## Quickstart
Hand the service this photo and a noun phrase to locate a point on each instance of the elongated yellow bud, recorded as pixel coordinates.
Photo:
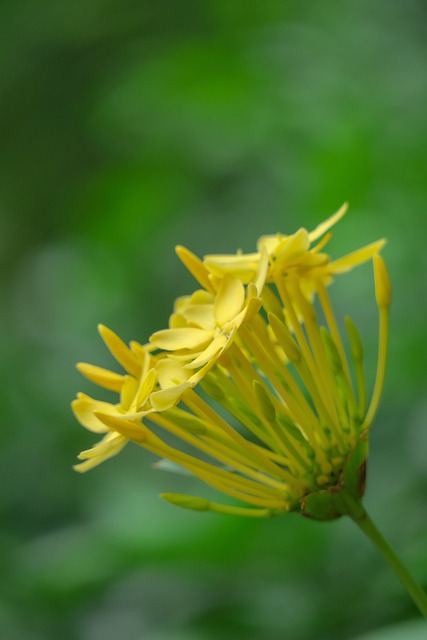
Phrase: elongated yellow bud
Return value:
(213, 388)
(186, 421)
(356, 343)
(356, 346)
(271, 303)
(201, 504)
(186, 502)
(331, 351)
(382, 282)
(131, 430)
(102, 377)
(265, 402)
(291, 428)
(285, 338)
(383, 296)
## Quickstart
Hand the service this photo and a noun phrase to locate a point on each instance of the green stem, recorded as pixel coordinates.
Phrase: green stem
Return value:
(364, 522)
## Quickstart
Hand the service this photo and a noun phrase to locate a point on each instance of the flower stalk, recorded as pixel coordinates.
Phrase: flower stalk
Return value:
(361, 518)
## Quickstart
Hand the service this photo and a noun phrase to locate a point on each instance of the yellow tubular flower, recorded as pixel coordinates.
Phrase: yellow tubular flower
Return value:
(201, 332)
(292, 254)
(134, 389)
(253, 378)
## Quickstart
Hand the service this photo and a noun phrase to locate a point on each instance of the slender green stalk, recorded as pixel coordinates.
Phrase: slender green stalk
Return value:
(364, 522)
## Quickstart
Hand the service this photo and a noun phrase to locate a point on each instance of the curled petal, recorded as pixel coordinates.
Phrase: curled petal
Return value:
(230, 299)
(184, 338)
(262, 270)
(209, 353)
(108, 447)
(169, 372)
(129, 390)
(240, 266)
(323, 227)
(355, 258)
(270, 243)
(293, 247)
(84, 407)
(168, 398)
(200, 315)
(146, 387)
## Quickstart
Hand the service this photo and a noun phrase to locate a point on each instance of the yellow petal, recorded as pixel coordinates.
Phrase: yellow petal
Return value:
(270, 243)
(198, 297)
(356, 257)
(184, 338)
(200, 373)
(201, 297)
(252, 308)
(229, 260)
(83, 408)
(181, 303)
(146, 387)
(201, 315)
(242, 267)
(128, 392)
(101, 377)
(141, 352)
(312, 260)
(195, 267)
(101, 447)
(292, 247)
(108, 447)
(262, 270)
(322, 242)
(170, 372)
(209, 353)
(168, 398)
(229, 300)
(323, 227)
(120, 350)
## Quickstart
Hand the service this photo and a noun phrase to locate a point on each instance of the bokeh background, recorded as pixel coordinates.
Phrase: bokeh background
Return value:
(128, 127)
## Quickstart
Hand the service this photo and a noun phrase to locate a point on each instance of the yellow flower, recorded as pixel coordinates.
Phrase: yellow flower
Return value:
(291, 254)
(134, 388)
(204, 325)
(286, 424)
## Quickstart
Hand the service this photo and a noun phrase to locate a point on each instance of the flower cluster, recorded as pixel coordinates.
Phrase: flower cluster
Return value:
(249, 388)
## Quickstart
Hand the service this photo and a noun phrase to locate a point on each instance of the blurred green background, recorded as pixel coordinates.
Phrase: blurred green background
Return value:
(126, 128)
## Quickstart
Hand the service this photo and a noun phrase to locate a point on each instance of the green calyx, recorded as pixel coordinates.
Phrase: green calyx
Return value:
(345, 497)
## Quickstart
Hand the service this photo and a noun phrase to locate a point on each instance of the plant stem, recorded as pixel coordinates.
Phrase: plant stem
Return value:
(364, 522)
